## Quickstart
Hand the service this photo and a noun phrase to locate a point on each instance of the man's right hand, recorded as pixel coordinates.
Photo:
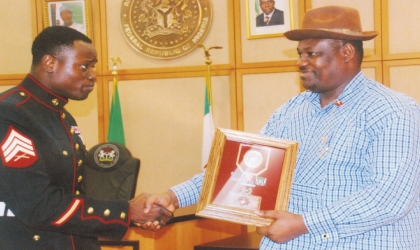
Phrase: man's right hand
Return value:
(154, 216)
(167, 200)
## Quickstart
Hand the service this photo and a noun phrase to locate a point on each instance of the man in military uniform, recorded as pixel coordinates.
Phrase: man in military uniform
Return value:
(42, 153)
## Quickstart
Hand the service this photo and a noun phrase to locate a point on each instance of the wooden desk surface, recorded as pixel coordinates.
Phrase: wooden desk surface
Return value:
(249, 241)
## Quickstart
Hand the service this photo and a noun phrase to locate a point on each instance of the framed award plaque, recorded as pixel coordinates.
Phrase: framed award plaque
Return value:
(246, 172)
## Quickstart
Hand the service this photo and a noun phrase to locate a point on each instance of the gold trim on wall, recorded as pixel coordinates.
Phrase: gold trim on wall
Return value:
(239, 83)
(377, 65)
(378, 40)
(386, 37)
(388, 64)
(107, 82)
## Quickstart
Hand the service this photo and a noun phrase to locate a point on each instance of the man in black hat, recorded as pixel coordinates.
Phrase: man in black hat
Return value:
(356, 183)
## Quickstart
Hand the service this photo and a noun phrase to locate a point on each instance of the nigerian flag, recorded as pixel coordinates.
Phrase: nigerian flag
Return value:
(208, 126)
(257, 7)
(115, 126)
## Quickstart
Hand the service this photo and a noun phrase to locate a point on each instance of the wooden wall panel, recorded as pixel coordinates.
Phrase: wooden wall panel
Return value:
(404, 76)
(86, 115)
(163, 126)
(263, 93)
(16, 37)
(400, 29)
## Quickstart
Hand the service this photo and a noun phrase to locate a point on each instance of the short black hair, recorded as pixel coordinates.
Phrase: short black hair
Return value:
(54, 39)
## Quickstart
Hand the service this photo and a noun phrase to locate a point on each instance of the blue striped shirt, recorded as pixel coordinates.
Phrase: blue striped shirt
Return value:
(364, 191)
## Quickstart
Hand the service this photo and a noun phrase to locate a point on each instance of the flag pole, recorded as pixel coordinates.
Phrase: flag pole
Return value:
(208, 62)
(115, 61)
(115, 124)
(208, 126)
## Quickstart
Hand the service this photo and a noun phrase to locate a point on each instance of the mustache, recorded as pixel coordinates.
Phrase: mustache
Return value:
(303, 69)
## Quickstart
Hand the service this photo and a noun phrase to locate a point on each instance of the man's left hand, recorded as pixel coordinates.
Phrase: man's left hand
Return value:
(285, 227)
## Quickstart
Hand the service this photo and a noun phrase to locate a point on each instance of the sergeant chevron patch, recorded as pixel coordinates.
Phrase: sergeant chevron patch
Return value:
(17, 150)
(4, 212)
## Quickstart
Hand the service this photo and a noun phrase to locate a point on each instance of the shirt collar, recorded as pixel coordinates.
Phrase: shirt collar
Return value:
(270, 15)
(350, 92)
(39, 92)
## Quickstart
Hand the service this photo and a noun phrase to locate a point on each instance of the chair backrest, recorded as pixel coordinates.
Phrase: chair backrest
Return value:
(110, 172)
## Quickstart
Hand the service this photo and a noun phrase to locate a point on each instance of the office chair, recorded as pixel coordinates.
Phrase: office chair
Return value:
(111, 173)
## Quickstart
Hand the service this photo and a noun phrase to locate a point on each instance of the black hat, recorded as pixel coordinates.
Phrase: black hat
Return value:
(111, 172)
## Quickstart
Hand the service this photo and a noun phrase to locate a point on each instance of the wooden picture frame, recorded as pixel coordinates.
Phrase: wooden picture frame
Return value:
(76, 12)
(255, 16)
(246, 172)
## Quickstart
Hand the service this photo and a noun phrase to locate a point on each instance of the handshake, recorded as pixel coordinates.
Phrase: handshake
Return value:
(103, 173)
(151, 212)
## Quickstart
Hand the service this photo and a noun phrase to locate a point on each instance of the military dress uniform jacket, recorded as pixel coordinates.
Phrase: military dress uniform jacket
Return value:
(42, 154)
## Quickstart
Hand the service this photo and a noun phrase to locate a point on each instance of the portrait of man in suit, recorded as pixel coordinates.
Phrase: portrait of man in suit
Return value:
(270, 16)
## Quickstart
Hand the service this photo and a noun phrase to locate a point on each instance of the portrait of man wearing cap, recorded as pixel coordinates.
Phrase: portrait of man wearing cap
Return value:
(66, 15)
(356, 182)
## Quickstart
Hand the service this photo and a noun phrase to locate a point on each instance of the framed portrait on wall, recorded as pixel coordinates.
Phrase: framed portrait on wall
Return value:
(246, 172)
(269, 18)
(75, 14)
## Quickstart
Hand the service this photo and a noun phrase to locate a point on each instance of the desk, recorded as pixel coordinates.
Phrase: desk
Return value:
(249, 241)
(133, 243)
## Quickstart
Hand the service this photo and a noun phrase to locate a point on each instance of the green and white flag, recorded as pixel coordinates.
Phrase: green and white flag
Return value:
(115, 126)
(257, 7)
(208, 126)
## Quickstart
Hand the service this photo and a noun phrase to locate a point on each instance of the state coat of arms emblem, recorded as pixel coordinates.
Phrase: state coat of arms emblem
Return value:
(165, 29)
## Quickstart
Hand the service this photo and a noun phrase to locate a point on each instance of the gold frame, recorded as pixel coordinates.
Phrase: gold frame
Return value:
(281, 181)
(86, 13)
(254, 32)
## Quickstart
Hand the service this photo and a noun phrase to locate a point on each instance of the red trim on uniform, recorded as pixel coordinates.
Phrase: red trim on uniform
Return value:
(38, 100)
(72, 242)
(28, 96)
(74, 168)
(80, 203)
(6, 95)
(102, 220)
(71, 210)
(73, 188)
(47, 90)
